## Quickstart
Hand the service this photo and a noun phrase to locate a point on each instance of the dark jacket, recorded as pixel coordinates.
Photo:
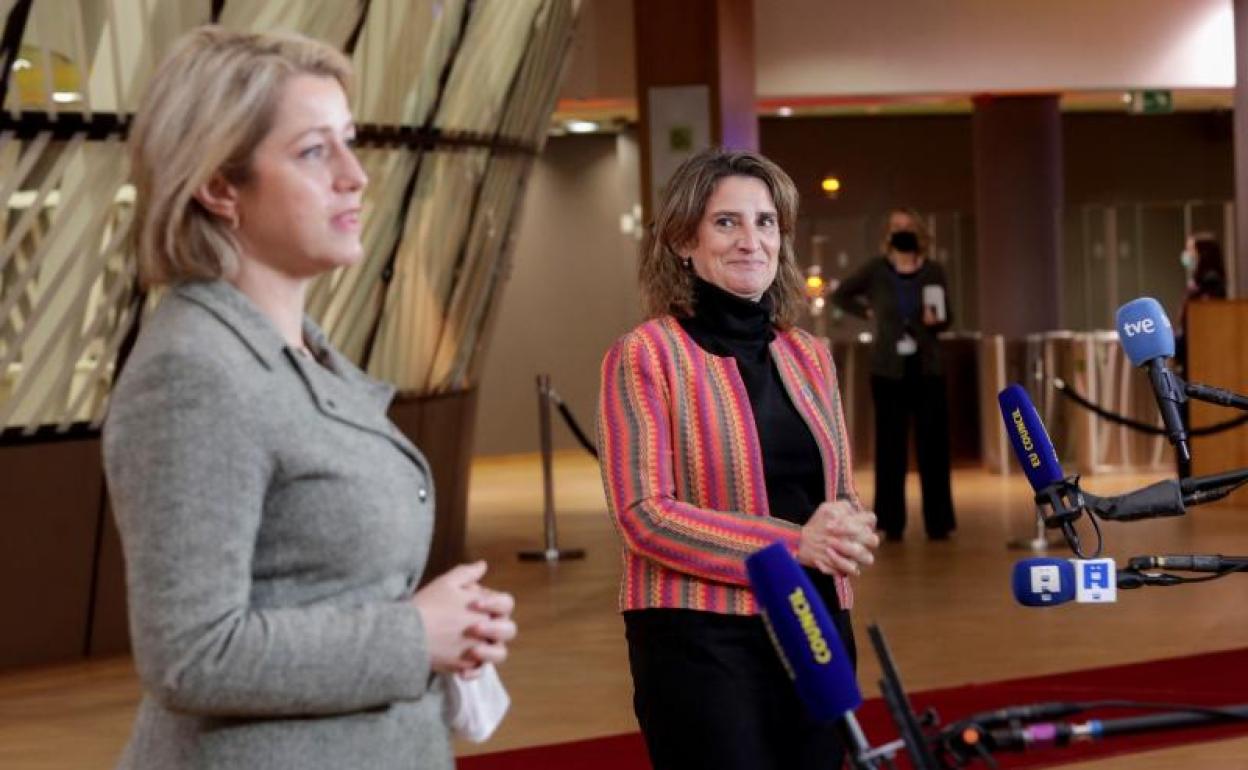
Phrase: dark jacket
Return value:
(878, 287)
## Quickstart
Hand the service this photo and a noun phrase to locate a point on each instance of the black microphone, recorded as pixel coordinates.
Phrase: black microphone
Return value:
(1190, 562)
(1214, 395)
(1048, 734)
(1148, 340)
(1215, 486)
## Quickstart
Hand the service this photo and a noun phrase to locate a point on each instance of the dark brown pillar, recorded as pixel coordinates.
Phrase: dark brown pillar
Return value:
(695, 82)
(1018, 202)
(1239, 257)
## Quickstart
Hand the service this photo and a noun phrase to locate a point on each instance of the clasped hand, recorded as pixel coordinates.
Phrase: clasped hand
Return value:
(466, 624)
(838, 539)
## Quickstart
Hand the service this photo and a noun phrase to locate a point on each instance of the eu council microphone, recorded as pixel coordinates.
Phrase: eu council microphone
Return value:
(802, 631)
(1038, 458)
(1030, 440)
(1146, 336)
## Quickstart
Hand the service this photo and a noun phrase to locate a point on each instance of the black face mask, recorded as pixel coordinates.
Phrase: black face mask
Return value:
(905, 241)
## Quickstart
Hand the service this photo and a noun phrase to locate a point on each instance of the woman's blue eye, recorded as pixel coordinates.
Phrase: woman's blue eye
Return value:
(315, 151)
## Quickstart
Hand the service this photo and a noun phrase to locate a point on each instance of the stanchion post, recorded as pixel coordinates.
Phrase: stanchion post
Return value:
(1038, 544)
(551, 552)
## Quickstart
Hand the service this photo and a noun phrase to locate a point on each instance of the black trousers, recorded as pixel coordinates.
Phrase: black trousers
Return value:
(710, 692)
(920, 400)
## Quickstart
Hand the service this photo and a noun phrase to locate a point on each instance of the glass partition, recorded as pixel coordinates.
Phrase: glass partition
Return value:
(1111, 254)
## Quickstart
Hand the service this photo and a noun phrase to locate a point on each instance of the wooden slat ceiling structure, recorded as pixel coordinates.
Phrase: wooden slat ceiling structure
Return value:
(453, 99)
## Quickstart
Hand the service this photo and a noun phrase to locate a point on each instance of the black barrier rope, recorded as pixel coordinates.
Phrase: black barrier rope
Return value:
(573, 425)
(1208, 430)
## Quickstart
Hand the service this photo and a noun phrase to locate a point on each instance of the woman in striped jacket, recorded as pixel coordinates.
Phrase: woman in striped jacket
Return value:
(721, 432)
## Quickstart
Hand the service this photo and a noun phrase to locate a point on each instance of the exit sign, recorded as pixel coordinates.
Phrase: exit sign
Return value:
(1152, 102)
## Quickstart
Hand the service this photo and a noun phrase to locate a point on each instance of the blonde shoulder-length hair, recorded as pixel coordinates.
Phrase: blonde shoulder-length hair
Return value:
(921, 231)
(666, 283)
(207, 107)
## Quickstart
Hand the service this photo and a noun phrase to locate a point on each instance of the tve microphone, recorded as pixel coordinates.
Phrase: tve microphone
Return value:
(801, 630)
(1148, 340)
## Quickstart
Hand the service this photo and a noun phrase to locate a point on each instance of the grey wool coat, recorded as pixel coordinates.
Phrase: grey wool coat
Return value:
(274, 524)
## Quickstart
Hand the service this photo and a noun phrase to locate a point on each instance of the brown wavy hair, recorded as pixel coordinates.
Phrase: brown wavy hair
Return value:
(666, 284)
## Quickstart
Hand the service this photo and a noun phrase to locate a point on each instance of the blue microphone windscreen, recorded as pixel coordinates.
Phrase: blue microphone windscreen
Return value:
(803, 634)
(1030, 440)
(1144, 331)
(1044, 582)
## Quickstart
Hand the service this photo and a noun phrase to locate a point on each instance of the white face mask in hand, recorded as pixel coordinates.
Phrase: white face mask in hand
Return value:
(475, 707)
(1188, 260)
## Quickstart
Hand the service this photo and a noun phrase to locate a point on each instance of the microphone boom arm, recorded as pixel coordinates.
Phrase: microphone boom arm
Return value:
(1212, 395)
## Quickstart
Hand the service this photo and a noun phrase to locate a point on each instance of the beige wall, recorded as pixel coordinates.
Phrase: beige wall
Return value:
(814, 47)
(883, 47)
(571, 293)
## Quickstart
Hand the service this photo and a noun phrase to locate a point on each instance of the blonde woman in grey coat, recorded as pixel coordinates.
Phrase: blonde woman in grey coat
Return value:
(275, 523)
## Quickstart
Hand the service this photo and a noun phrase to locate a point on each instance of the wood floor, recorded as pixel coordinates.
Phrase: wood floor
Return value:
(946, 609)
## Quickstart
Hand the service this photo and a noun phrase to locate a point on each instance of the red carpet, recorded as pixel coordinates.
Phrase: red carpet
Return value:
(1218, 678)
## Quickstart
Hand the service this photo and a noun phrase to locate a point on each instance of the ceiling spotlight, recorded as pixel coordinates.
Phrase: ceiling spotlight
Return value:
(784, 112)
(581, 126)
(21, 64)
(830, 185)
(66, 97)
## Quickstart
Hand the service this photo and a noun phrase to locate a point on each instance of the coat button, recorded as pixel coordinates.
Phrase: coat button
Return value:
(329, 404)
(422, 494)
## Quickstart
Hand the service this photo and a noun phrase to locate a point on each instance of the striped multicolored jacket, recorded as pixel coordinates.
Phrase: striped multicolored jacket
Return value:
(683, 468)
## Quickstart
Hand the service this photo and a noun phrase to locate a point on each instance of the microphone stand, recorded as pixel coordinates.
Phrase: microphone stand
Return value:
(961, 742)
(1017, 738)
(908, 724)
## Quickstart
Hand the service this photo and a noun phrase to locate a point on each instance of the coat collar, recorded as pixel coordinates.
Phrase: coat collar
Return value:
(257, 332)
(237, 312)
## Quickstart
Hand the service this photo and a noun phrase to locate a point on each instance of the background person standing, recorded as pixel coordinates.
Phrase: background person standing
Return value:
(906, 296)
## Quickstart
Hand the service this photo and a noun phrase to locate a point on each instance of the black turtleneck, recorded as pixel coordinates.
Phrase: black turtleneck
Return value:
(726, 325)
